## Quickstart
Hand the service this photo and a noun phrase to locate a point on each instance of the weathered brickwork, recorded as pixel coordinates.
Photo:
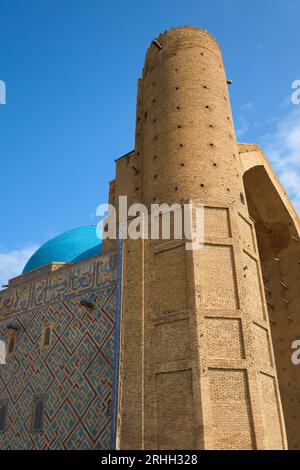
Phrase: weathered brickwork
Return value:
(74, 373)
(205, 335)
(277, 230)
(201, 359)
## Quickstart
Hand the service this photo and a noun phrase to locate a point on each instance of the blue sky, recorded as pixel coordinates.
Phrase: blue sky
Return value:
(71, 69)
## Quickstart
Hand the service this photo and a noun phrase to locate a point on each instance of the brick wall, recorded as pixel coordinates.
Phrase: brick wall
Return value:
(74, 374)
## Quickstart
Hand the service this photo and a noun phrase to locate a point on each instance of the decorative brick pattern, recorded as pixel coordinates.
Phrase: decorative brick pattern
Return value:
(262, 342)
(253, 297)
(174, 413)
(173, 341)
(231, 413)
(59, 284)
(196, 361)
(224, 338)
(246, 233)
(171, 287)
(216, 222)
(74, 374)
(217, 277)
(186, 151)
(271, 418)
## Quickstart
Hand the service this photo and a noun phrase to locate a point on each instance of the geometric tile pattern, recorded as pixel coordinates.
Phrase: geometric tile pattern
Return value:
(74, 374)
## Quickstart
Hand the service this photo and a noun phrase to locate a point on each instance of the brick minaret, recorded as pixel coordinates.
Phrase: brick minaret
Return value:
(197, 364)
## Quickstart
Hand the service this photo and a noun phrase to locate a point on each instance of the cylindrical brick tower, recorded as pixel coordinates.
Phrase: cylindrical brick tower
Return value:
(185, 123)
(197, 363)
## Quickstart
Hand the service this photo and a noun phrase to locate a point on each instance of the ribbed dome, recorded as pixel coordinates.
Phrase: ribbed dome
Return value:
(69, 247)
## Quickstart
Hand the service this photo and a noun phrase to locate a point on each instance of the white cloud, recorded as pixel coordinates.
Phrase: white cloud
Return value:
(249, 106)
(13, 262)
(244, 120)
(242, 128)
(282, 148)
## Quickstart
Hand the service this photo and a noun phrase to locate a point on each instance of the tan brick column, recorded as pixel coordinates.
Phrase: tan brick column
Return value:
(191, 376)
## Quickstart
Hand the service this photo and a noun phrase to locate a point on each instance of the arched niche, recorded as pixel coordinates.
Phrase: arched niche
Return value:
(278, 237)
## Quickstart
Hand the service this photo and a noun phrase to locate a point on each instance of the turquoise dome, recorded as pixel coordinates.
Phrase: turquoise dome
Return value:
(69, 247)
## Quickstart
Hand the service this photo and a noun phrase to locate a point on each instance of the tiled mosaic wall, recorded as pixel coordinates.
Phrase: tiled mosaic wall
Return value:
(75, 373)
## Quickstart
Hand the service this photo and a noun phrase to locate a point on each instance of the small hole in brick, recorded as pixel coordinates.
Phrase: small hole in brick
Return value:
(211, 126)
(211, 144)
(145, 115)
(154, 199)
(215, 164)
(138, 153)
(177, 107)
(202, 185)
(176, 70)
(202, 53)
(177, 88)
(155, 137)
(153, 83)
(153, 101)
(207, 107)
(176, 188)
(182, 164)
(139, 119)
(155, 176)
(154, 157)
(179, 126)
(204, 86)
(137, 189)
(180, 145)
(228, 189)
